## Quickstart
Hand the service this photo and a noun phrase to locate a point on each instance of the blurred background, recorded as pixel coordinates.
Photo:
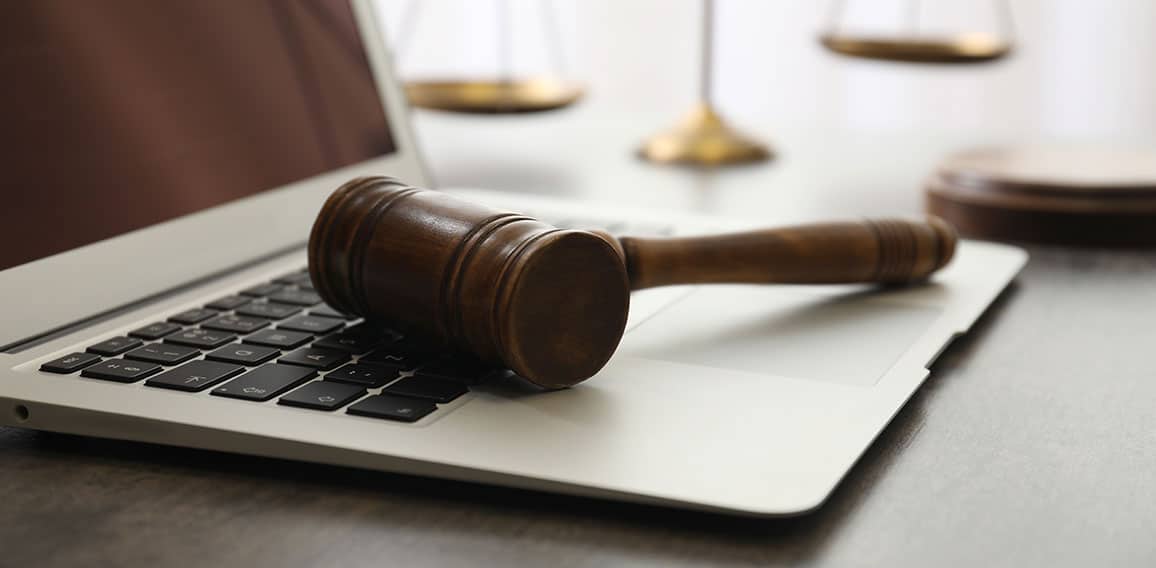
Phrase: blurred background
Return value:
(1080, 69)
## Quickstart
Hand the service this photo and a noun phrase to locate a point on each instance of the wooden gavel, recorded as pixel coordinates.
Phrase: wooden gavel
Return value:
(550, 304)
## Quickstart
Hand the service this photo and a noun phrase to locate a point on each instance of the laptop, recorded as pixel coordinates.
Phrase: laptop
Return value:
(163, 165)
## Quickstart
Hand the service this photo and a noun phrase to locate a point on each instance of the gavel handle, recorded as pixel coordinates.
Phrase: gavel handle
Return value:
(884, 250)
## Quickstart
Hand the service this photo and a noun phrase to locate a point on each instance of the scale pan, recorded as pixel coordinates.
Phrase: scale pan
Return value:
(493, 96)
(959, 49)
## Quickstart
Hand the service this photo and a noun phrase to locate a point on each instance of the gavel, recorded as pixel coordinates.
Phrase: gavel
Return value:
(550, 304)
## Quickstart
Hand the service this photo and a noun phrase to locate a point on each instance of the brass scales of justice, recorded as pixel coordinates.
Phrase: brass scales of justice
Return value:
(703, 137)
(502, 94)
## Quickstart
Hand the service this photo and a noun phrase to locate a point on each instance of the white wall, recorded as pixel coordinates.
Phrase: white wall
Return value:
(1082, 68)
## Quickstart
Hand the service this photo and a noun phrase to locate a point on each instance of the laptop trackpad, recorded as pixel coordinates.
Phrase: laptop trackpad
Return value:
(852, 338)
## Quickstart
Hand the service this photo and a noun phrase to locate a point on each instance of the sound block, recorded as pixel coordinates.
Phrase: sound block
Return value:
(1089, 196)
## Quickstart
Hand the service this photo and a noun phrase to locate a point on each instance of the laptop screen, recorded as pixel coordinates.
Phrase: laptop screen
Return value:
(120, 114)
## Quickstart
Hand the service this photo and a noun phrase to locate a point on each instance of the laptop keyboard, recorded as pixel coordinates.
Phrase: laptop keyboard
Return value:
(278, 341)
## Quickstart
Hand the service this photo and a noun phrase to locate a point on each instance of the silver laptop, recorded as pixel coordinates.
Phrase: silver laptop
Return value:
(162, 170)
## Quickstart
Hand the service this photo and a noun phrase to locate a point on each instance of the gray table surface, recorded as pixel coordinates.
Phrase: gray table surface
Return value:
(1032, 444)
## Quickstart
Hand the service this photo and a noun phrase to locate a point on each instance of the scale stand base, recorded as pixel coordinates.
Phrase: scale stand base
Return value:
(703, 139)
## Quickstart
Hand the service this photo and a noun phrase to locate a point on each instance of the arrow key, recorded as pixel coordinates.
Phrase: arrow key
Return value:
(323, 395)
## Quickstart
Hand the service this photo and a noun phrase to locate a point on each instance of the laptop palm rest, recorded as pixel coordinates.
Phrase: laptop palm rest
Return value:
(786, 331)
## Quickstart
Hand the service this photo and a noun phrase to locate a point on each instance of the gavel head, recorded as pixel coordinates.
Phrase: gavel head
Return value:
(547, 303)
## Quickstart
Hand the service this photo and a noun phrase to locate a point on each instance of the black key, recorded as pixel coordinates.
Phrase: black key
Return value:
(155, 331)
(279, 338)
(195, 315)
(201, 338)
(162, 353)
(296, 297)
(355, 340)
(437, 390)
(121, 370)
(312, 324)
(269, 310)
(195, 376)
(300, 278)
(322, 395)
(70, 363)
(400, 356)
(323, 359)
(370, 376)
(228, 303)
(462, 371)
(265, 382)
(114, 346)
(243, 354)
(384, 333)
(393, 408)
(235, 324)
(262, 290)
(325, 311)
